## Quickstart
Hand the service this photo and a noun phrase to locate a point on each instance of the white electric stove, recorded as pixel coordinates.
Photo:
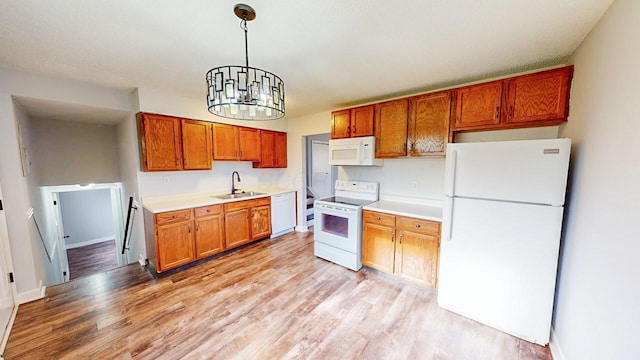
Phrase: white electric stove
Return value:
(337, 230)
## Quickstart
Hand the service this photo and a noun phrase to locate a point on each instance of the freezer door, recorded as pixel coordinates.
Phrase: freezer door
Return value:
(532, 171)
(499, 265)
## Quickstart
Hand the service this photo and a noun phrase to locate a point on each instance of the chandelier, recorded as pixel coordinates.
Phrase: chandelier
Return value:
(243, 92)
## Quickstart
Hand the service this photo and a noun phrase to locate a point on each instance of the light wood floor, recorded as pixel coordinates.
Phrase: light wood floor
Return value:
(268, 300)
(91, 259)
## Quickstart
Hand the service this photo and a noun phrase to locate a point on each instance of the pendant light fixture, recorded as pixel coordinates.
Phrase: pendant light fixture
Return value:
(243, 92)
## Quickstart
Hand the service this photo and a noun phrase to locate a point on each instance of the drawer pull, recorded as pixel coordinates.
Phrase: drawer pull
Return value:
(418, 226)
(208, 210)
(377, 217)
(173, 217)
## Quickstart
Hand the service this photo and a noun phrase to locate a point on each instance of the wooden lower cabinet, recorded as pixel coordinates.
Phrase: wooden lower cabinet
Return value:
(237, 228)
(404, 246)
(176, 238)
(174, 242)
(260, 222)
(209, 225)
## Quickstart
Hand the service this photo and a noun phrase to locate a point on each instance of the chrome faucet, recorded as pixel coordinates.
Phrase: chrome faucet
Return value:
(233, 183)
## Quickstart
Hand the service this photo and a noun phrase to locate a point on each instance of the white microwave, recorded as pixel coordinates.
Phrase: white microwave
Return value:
(358, 151)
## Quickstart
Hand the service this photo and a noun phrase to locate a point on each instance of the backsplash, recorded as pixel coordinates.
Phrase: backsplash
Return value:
(416, 178)
(217, 180)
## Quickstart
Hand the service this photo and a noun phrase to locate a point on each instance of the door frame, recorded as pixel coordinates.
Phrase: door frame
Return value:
(55, 211)
(5, 253)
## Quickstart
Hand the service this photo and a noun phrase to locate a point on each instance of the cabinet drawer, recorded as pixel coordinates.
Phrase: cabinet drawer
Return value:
(379, 218)
(208, 210)
(419, 225)
(173, 216)
(237, 205)
(261, 201)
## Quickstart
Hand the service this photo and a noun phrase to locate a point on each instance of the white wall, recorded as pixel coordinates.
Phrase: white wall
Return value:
(86, 215)
(597, 312)
(15, 190)
(67, 152)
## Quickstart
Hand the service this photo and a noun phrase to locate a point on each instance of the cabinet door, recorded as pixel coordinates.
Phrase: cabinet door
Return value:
(378, 244)
(175, 245)
(249, 144)
(417, 257)
(196, 144)
(237, 228)
(478, 106)
(362, 121)
(391, 128)
(209, 235)
(280, 150)
(429, 124)
(160, 142)
(341, 124)
(225, 142)
(267, 150)
(538, 97)
(260, 222)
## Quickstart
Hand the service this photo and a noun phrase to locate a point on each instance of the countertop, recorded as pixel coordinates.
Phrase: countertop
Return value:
(425, 212)
(158, 204)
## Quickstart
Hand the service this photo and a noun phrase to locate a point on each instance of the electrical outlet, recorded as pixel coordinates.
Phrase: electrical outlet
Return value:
(166, 180)
(414, 185)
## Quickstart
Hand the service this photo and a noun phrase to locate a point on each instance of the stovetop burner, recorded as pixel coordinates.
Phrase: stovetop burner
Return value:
(347, 201)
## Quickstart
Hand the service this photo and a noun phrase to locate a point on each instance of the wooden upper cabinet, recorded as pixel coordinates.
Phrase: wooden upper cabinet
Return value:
(362, 121)
(281, 150)
(539, 97)
(273, 153)
(478, 106)
(391, 128)
(341, 124)
(429, 117)
(352, 122)
(225, 142)
(196, 144)
(267, 150)
(160, 142)
(249, 144)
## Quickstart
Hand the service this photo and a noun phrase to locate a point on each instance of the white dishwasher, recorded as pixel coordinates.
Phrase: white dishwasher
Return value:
(283, 213)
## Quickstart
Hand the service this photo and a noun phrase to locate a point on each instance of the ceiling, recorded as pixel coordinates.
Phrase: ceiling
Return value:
(330, 53)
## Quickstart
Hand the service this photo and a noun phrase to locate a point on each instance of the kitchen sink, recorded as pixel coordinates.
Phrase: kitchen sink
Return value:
(238, 195)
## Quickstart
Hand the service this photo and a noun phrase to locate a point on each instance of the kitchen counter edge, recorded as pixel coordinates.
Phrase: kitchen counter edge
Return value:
(433, 213)
(189, 202)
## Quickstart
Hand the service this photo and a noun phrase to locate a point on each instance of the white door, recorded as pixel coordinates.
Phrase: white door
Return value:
(6, 294)
(498, 263)
(320, 169)
(532, 171)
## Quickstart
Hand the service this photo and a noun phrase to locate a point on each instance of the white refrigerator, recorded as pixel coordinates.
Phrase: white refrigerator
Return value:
(502, 222)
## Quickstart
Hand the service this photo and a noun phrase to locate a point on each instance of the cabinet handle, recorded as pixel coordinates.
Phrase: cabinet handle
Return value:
(354, 129)
(197, 227)
(401, 235)
(393, 237)
(377, 217)
(173, 217)
(189, 227)
(511, 111)
(418, 226)
(497, 112)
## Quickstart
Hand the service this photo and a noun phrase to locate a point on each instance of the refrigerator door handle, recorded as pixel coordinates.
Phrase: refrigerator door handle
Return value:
(448, 219)
(450, 182)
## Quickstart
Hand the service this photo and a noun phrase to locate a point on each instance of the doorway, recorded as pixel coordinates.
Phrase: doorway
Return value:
(89, 228)
(320, 175)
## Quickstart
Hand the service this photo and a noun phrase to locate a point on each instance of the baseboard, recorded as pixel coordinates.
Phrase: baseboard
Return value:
(89, 242)
(554, 346)
(31, 295)
(282, 233)
(142, 260)
(302, 228)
